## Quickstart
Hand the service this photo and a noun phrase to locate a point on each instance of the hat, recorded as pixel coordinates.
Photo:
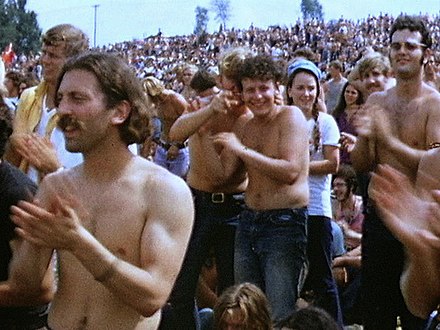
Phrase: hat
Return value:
(304, 65)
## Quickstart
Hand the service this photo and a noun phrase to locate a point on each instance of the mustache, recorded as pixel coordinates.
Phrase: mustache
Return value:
(66, 121)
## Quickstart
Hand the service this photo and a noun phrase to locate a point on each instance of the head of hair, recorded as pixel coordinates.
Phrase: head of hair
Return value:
(153, 86)
(5, 127)
(247, 302)
(310, 318)
(301, 65)
(305, 53)
(180, 69)
(15, 77)
(73, 39)
(231, 60)
(342, 104)
(413, 24)
(337, 65)
(372, 62)
(261, 67)
(348, 174)
(118, 83)
(203, 80)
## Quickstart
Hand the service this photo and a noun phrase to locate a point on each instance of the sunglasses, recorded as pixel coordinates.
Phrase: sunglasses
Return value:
(411, 46)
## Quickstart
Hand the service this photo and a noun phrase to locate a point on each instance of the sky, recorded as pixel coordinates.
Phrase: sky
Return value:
(110, 21)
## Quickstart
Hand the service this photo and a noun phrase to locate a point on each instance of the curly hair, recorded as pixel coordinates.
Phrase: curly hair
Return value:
(118, 83)
(261, 67)
(246, 302)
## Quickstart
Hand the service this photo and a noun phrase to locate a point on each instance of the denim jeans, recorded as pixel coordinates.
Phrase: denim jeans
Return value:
(382, 265)
(320, 277)
(214, 228)
(270, 251)
(178, 166)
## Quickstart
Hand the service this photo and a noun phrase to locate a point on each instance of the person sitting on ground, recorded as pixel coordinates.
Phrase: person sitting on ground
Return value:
(243, 306)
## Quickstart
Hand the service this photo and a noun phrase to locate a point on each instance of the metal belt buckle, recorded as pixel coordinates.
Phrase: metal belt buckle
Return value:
(218, 198)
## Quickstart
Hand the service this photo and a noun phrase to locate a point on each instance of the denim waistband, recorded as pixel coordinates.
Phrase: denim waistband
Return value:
(263, 215)
(217, 198)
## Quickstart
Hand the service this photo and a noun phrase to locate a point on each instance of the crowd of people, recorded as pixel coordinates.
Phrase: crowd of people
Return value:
(281, 178)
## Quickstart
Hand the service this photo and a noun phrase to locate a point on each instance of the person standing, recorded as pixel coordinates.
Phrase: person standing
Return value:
(323, 137)
(119, 244)
(271, 241)
(413, 109)
(37, 146)
(333, 87)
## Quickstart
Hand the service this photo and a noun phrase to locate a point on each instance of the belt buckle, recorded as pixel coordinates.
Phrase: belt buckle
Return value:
(218, 198)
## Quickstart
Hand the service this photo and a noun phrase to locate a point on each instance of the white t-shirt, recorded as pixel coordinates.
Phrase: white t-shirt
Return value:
(320, 185)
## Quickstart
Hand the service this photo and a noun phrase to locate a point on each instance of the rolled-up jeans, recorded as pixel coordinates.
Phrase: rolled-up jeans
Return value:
(270, 251)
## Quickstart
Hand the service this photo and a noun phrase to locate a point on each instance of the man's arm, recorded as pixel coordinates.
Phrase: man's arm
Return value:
(144, 287)
(26, 289)
(416, 223)
(187, 124)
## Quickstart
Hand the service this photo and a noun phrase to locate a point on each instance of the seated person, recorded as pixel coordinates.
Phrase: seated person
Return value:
(347, 213)
(243, 306)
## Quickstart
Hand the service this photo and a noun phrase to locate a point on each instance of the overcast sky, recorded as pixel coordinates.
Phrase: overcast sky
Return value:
(119, 20)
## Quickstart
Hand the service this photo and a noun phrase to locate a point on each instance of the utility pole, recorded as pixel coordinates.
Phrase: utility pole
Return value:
(94, 25)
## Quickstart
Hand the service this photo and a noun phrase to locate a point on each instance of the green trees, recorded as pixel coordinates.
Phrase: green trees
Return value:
(312, 9)
(202, 19)
(222, 10)
(19, 27)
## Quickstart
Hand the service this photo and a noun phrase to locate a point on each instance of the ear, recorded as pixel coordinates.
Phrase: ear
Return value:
(426, 55)
(121, 112)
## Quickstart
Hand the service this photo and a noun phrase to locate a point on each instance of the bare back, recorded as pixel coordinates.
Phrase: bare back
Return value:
(169, 109)
(283, 138)
(118, 213)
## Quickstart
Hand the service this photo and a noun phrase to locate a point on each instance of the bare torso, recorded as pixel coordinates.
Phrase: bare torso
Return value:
(206, 172)
(116, 217)
(415, 122)
(263, 192)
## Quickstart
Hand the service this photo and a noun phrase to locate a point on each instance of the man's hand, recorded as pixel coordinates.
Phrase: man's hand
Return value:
(39, 151)
(414, 221)
(347, 141)
(56, 226)
(229, 141)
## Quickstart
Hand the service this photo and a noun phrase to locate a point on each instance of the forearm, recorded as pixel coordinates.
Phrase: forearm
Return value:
(31, 276)
(408, 157)
(322, 167)
(420, 288)
(363, 155)
(187, 124)
(277, 169)
(131, 284)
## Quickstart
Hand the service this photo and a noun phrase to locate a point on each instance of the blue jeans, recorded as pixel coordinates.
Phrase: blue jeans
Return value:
(178, 166)
(270, 251)
(320, 277)
(214, 228)
(382, 265)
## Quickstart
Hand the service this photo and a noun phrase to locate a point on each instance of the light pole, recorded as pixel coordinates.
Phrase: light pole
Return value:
(94, 26)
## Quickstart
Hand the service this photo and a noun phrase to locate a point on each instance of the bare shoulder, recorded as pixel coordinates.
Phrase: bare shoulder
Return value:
(159, 183)
(381, 97)
(291, 113)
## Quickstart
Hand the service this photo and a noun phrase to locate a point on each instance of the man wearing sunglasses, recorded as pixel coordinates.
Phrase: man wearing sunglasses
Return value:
(398, 126)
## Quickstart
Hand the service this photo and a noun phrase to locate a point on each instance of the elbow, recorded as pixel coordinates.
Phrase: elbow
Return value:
(148, 308)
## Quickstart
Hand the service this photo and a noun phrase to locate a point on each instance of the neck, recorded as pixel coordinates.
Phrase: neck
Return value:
(408, 88)
(50, 95)
(107, 161)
